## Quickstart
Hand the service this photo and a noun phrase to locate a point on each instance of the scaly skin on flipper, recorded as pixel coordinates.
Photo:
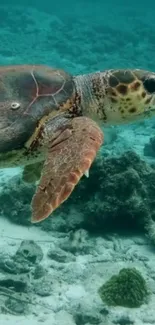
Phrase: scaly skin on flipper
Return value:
(70, 155)
(42, 122)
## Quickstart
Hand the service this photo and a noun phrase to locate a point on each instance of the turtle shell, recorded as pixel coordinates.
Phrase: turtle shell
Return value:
(27, 94)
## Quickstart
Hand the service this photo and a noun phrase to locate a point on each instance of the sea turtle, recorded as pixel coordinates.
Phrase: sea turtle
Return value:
(50, 123)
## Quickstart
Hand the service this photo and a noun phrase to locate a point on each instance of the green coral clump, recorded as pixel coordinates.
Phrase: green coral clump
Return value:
(127, 289)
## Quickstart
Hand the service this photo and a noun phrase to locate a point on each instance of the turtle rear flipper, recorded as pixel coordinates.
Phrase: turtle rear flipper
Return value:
(70, 155)
(32, 173)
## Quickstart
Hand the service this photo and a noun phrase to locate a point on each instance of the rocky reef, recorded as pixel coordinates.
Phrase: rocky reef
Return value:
(118, 196)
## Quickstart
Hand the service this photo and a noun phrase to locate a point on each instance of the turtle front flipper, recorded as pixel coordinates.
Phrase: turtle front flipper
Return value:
(70, 155)
(32, 173)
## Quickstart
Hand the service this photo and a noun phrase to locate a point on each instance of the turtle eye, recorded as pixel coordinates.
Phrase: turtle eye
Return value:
(149, 85)
(15, 105)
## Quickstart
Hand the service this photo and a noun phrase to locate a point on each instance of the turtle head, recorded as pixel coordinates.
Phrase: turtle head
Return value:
(117, 96)
(128, 95)
(29, 94)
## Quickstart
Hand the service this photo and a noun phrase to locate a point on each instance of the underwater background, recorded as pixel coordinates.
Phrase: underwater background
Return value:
(93, 261)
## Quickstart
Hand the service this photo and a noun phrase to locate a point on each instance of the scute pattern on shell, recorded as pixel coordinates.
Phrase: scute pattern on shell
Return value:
(39, 91)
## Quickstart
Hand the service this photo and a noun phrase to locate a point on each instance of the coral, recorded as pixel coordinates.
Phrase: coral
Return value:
(127, 289)
(118, 195)
(112, 198)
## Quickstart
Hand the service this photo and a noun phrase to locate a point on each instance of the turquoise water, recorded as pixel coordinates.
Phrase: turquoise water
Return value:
(51, 272)
(79, 37)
